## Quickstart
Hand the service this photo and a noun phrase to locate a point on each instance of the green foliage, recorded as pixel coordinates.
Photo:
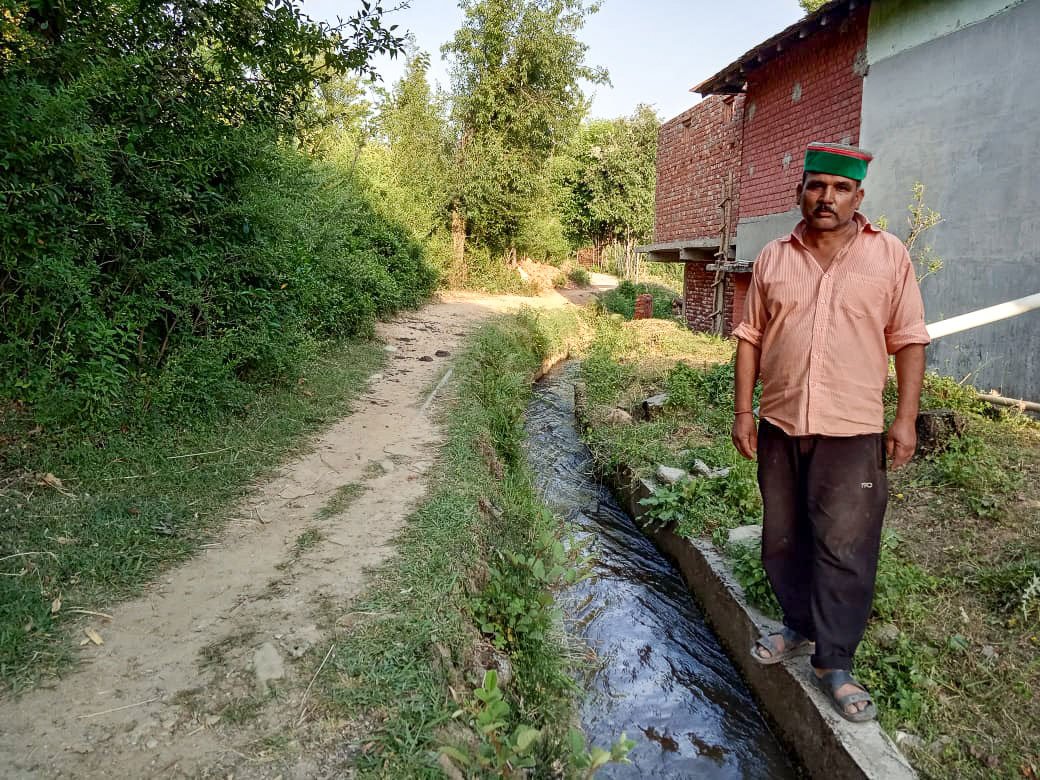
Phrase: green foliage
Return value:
(610, 179)
(408, 163)
(622, 299)
(503, 751)
(579, 276)
(894, 670)
(699, 506)
(386, 663)
(811, 5)
(591, 760)
(506, 751)
(919, 221)
(143, 265)
(516, 96)
(972, 467)
(746, 560)
(516, 606)
(899, 584)
(942, 392)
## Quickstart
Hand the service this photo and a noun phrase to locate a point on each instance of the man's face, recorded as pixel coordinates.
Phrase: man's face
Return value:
(828, 201)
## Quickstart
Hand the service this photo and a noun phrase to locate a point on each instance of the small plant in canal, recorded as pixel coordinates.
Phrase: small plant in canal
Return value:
(508, 752)
(517, 603)
(746, 560)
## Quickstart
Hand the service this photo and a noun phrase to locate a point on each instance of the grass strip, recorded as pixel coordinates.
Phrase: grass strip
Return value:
(87, 520)
(951, 652)
(469, 593)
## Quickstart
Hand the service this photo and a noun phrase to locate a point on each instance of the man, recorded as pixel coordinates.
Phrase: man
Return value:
(826, 306)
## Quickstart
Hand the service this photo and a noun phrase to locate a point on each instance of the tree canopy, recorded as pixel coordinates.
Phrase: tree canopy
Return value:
(516, 98)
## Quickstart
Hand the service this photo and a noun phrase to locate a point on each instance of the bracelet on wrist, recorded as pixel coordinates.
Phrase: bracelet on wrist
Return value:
(744, 411)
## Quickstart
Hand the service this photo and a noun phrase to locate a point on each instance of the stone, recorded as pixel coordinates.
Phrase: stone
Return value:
(989, 652)
(389, 348)
(426, 359)
(938, 747)
(267, 666)
(303, 639)
(619, 417)
(653, 406)
(375, 378)
(703, 469)
(935, 428)
(670, 475)
(442, 353)
(907, 741)
(745, 535)
(886, 635)
(152, 744)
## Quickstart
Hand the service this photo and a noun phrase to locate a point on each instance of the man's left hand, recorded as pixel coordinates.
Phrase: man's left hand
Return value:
(901, 442)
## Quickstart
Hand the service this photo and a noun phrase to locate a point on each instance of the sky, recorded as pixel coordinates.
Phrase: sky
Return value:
(654, 50)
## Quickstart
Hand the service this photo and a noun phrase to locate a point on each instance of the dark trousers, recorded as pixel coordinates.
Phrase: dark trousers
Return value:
(824, 500)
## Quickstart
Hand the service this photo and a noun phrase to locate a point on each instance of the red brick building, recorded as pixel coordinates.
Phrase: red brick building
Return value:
(727, 168)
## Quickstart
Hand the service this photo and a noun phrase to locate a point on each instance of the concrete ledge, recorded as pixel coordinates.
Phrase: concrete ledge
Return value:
(826, 744)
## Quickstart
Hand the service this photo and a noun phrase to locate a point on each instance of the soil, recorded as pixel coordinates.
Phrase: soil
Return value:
(208, 673)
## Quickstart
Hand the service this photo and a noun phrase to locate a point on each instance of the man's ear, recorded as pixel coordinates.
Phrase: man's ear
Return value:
(798, 194)
(859, 196)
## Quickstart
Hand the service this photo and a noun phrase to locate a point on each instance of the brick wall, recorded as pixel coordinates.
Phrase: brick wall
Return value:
(700, 301)
(700, 298)
(695, 152)
(811, 92)
(740, 288)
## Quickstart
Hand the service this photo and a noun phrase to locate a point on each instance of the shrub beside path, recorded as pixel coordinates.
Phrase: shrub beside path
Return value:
(192, 678)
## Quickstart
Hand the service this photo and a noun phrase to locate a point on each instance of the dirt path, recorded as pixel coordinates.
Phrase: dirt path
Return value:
(179, 687)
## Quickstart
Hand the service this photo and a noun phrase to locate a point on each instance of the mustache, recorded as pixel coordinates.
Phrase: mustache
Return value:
(824, 210)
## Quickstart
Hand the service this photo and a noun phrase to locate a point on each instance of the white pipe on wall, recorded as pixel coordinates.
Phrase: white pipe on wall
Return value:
(984, 316)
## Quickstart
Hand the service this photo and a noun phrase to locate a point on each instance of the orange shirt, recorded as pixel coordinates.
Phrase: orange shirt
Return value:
(825, 337)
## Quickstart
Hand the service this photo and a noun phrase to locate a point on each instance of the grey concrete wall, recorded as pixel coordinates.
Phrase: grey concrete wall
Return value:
(753, 233)
(961, 114)
(898, 25)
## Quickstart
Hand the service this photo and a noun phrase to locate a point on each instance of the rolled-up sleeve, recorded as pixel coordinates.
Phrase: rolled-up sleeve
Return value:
(906, 322)
(754, 320)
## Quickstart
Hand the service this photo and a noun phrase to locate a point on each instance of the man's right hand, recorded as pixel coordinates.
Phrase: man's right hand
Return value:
(745, 435)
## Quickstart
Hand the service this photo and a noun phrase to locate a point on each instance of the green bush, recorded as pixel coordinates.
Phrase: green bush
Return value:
(161, 245)
(622, 299)
(579, 276)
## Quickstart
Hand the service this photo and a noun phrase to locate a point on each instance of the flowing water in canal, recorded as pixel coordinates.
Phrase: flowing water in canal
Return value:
(662, 677)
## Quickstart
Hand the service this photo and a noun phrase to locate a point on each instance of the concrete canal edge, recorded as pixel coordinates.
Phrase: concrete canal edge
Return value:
(826, 744)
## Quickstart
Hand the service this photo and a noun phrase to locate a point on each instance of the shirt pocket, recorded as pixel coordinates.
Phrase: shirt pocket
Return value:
(865, 297)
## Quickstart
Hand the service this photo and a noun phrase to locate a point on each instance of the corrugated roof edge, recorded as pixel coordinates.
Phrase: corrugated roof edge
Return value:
(730, 80)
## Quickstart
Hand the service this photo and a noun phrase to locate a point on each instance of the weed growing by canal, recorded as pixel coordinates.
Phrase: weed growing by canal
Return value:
(951, 651)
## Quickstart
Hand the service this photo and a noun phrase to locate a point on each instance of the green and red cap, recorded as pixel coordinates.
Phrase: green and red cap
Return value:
(837, 159)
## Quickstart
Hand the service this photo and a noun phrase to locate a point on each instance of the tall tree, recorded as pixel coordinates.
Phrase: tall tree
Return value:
(413, 163)
(516, 97)
(610, 179)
